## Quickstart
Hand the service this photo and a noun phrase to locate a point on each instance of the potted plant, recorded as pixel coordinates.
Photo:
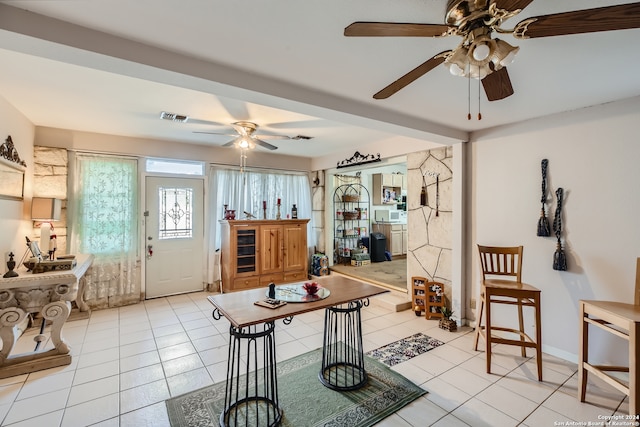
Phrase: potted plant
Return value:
(446, 322)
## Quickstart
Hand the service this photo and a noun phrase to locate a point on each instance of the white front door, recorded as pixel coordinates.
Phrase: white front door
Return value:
(174, 242)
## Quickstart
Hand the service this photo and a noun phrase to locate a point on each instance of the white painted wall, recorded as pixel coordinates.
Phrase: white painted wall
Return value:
(594, 156)
(15, 215)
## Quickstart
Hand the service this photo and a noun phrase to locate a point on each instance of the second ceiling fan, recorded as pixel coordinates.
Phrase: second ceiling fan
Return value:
(247, 138)
(481, 56)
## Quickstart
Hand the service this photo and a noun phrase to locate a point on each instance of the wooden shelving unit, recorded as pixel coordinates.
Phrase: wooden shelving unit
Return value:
(418, 288)
(435, 300)
(427, 297)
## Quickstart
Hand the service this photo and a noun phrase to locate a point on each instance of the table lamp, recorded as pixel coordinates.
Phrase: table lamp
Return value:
(45, 210)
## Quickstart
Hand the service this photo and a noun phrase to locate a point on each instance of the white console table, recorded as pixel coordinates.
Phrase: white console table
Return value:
(49, 294)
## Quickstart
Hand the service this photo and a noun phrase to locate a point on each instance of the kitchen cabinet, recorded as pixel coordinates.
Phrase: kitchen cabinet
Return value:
(351, 220)
(387, 188)
(396, 235)
(258, 252)
(393, 180)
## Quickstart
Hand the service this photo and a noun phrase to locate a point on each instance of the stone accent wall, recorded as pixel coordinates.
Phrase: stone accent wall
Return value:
(430, 236)
(50, 180)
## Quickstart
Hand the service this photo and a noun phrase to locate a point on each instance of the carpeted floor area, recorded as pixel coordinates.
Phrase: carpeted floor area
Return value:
(305, 401)
(392, 274)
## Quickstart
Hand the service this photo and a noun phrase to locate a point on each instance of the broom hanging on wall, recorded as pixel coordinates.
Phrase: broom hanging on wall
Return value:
(543, 223)
(559, 257)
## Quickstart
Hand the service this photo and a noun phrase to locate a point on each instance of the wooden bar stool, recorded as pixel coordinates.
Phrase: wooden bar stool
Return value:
(622, 320)
(506, 262)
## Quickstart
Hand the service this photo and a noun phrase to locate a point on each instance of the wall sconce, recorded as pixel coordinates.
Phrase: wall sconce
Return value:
(46, 210)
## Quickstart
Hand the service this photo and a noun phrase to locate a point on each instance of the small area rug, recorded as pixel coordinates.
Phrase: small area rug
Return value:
(305, 401)
(404, 349)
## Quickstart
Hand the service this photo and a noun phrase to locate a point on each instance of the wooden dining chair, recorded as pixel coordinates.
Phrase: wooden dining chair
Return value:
(502, 284)
(622, 320)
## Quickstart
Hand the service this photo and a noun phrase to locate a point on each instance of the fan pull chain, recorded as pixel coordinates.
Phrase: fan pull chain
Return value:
(243, 159)
(479, 113)
(469, 96)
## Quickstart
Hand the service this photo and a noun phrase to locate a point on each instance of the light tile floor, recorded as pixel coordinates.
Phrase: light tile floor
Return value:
(127, 361)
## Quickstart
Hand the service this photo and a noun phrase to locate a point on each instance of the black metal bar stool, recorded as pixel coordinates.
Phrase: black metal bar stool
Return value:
(342, 354)
(251, 394)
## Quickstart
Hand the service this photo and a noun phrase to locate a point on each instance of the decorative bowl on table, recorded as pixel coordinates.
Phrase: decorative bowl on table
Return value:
(311, 288)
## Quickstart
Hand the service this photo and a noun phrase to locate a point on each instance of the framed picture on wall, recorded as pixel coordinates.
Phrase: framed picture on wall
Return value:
(12, 170)
(11, 180)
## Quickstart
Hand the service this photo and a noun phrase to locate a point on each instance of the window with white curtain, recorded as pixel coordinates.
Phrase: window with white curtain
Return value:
(247, 191)
(103, 211)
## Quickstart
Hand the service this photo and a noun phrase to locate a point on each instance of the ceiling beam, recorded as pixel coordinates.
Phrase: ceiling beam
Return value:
(39, 35)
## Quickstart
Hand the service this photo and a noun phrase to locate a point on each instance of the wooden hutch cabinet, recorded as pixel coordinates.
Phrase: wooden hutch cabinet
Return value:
(258, 252)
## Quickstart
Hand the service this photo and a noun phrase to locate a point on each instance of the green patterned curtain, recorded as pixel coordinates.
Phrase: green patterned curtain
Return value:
(103, 221)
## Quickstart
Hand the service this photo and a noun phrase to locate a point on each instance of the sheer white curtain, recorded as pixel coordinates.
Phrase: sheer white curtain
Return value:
(103, 212)
(246, 191)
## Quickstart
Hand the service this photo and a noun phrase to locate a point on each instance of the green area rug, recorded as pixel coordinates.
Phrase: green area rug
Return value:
(305, 401)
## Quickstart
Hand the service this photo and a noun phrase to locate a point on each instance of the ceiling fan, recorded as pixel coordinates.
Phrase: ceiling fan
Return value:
(481, 56)
(245, 137)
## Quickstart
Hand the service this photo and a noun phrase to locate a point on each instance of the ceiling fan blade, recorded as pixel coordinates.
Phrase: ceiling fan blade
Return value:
(512, 4)
(231, 143)
(411, 76)
(234, 108)
(264, 144)
(393, 29)
(206, 122)
(497, 85)
(242, 130)
(608, 18)
(216, 133)
(311, 122)
(266, 136)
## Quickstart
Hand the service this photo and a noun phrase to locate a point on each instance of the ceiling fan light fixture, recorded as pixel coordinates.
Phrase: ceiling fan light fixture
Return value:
(504, 53)
(479, 71)
(481, 52)
(458, 61)
(456, 70)
(245, 143)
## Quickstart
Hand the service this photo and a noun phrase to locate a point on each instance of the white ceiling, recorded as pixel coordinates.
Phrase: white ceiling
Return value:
(285, 65)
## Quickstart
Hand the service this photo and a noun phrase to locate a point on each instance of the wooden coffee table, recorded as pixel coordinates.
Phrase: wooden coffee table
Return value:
(251, 368)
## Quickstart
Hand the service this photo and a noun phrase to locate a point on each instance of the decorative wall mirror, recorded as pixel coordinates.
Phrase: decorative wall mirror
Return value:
(12, 170)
